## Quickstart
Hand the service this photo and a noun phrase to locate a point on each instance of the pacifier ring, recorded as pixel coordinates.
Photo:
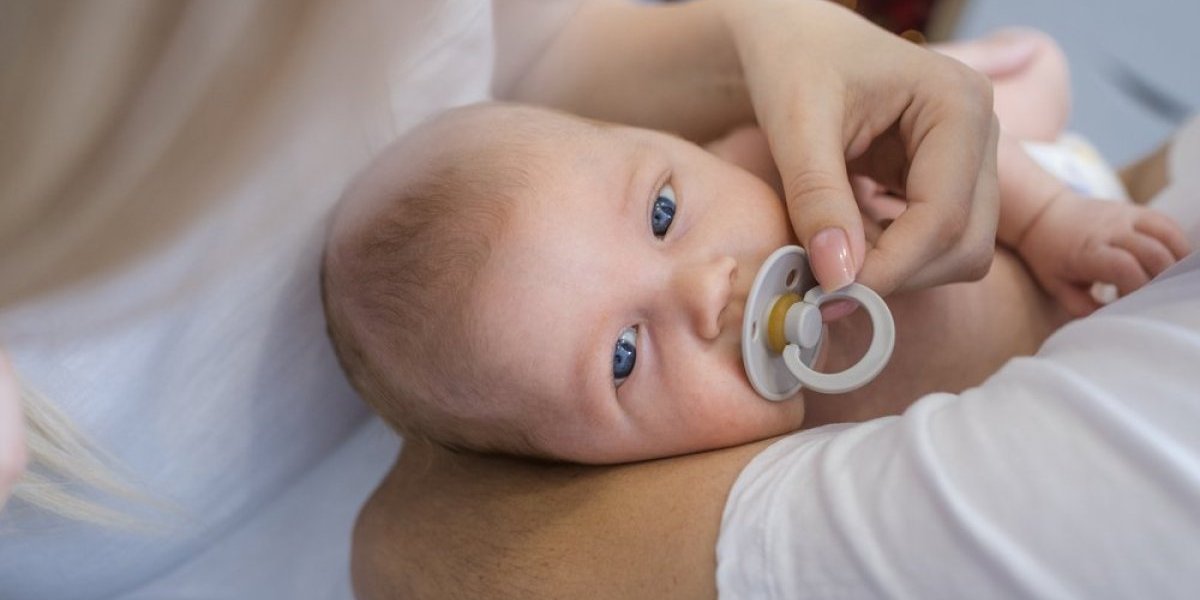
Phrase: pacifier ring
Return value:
(783, 333)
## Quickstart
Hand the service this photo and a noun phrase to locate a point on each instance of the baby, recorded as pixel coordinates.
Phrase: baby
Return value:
(511, 279)
(516, 280)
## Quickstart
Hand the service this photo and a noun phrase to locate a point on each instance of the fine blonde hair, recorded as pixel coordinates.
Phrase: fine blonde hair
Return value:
(398, 276)
(60, 458)
(105, 105)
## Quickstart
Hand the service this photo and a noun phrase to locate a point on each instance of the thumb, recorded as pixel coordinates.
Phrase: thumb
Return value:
(820, 202)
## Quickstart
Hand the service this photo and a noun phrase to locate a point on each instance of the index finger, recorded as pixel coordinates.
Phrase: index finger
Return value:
(820, 202)
(948, 231)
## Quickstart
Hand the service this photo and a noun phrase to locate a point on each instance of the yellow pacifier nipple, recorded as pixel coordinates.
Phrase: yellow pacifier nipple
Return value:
(776, 338)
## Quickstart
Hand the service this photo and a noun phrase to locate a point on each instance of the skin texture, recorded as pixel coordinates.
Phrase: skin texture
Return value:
(523, 529)
(585, 225)
(888, 137)
(570, 500)
(647, 530)
(550, 346)
(797, 68)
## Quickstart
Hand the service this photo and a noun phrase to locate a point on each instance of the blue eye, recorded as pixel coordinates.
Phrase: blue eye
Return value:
(624, 355)
(663, 212)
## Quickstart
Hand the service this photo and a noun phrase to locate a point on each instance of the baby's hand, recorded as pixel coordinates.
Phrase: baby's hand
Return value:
(1076, 242)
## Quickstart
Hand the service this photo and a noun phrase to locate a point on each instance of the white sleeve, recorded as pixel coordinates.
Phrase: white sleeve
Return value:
(1072, 474)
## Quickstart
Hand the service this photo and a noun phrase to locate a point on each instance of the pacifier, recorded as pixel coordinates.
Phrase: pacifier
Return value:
(782, 330)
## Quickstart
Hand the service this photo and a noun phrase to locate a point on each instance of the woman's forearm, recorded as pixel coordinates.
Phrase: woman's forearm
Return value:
(672, 67)
(447, 525)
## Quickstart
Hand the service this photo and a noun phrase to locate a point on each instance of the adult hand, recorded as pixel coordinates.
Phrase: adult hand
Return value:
(837, 96)
(12, 430)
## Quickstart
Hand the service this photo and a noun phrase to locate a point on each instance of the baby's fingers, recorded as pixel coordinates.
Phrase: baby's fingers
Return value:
(1165, 230)
(1149, 251)
(1108, 264)
(1076, 299)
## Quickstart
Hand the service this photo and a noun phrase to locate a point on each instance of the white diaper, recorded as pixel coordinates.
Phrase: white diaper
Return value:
(1079, 165)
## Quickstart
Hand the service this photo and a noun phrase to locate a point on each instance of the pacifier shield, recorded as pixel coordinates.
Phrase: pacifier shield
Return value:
(785, 271)
(778, 370)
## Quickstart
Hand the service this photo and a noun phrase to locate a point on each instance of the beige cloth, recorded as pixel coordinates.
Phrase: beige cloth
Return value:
(166, 169)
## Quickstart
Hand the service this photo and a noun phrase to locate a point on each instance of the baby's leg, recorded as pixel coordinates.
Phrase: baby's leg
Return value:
(1029, 77)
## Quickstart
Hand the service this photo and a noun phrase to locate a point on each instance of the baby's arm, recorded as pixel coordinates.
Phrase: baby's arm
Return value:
(1069, 243)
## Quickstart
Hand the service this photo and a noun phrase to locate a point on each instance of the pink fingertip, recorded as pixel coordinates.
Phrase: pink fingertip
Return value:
(829, 254)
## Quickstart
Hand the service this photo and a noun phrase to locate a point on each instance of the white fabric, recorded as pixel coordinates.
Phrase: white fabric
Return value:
(203, 368)
(1076, 162)
(1072, 474)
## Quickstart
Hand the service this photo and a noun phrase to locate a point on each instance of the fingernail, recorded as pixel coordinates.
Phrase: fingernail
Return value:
(829, 253)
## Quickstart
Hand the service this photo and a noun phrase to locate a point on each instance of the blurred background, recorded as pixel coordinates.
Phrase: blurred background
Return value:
(1135, 75)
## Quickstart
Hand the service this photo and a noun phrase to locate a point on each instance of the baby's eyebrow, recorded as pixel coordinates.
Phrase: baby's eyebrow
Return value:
(585, 364)
(634, 163)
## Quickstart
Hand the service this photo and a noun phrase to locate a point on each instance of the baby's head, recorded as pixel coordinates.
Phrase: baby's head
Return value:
(516, 280)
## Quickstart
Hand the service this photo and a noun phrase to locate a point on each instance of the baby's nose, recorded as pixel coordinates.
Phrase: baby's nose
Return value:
(705, 289)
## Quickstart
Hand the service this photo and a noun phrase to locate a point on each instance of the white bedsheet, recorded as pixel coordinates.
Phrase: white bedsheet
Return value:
(1072, 474)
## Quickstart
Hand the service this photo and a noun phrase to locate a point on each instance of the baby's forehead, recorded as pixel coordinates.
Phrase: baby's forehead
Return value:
(505, 127)
(504, 146)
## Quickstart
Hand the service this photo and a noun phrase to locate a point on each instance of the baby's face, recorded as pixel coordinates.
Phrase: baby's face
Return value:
(611, 308)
